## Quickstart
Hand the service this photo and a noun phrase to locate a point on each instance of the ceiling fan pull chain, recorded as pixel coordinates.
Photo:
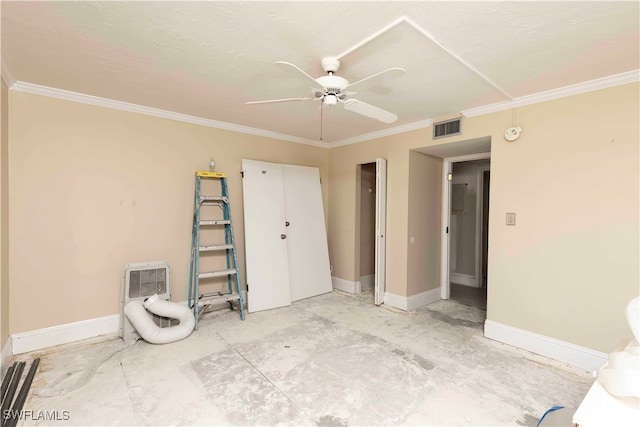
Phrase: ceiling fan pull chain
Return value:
(321, 121)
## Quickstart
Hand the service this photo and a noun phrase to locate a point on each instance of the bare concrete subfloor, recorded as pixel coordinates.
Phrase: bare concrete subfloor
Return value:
(467, 295)
(329, 360)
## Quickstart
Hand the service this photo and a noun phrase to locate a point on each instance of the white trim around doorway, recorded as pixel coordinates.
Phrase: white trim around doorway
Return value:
(479, 222)
(446, 203)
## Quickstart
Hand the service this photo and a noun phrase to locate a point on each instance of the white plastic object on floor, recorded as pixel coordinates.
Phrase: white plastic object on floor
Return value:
(632, 312)
(136, 312)
(621, 374)
(600, 409)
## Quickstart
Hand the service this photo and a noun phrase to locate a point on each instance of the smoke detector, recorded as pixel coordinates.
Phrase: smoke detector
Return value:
(512, 133)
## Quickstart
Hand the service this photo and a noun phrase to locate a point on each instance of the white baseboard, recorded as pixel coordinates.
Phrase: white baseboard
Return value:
(414, 301)
(345, 285)
(7, 352)
(575, 355)
(62, 334)
(395, 301)
(423, 298)
(463, 279)
(367, 282)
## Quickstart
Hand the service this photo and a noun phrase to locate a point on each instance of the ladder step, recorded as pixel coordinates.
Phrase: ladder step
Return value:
(215, 247)
(217, 299)
(219, 273)
(215, 222)
(223, 199)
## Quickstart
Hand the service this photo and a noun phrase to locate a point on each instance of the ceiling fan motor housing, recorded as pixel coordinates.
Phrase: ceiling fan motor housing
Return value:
(333, 86)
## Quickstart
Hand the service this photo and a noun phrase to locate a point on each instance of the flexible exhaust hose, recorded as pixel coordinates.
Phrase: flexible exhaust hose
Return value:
(137, 314)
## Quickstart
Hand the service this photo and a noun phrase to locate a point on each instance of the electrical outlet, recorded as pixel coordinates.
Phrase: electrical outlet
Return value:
(511, 218)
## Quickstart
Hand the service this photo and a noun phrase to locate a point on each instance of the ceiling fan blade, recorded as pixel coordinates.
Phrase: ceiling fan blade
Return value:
(287, 66)
(369, 111)
(376, 78)
(270, 101)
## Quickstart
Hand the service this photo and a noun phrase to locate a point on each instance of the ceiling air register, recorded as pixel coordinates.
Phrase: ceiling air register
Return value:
(447, 128)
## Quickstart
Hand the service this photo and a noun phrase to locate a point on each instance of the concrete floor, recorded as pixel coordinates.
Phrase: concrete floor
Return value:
(474, 297)
(329, 360)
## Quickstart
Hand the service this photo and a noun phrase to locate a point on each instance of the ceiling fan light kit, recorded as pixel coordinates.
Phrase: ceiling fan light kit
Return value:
(330, 100)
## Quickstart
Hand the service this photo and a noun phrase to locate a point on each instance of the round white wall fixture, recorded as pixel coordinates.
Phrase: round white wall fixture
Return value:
(512, 133)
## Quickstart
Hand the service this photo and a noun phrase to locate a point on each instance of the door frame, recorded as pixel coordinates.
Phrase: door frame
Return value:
(380, 257)
(447, 167)
(480, 222)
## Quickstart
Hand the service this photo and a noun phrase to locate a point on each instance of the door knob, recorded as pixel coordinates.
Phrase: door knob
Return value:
(283, 236)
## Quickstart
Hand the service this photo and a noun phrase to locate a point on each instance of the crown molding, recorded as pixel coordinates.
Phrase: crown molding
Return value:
(576, 89)
(381, 133)
(7, 76)
(66, 95)
(592, 85)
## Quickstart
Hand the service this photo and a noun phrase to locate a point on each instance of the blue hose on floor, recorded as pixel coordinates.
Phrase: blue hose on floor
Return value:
(553, 408)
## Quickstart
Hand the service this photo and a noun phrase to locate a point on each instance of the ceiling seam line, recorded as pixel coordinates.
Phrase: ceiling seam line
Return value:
(434, 40)
(458, 58)
(371, 37)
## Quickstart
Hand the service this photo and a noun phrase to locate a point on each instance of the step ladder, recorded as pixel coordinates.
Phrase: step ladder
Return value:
(232, 295)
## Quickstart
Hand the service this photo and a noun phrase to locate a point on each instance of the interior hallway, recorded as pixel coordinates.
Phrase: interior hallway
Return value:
(329, 360)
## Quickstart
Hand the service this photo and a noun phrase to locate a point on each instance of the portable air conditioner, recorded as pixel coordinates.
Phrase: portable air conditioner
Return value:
(139, 282)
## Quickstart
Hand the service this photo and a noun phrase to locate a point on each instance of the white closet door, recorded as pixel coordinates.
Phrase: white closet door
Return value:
(309, 270)
(265, 249)
(381, 231)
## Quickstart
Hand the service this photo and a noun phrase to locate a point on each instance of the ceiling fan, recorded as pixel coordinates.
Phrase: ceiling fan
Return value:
(331, 89)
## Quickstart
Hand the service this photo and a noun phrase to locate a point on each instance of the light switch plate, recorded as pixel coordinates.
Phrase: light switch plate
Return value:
(511, 218)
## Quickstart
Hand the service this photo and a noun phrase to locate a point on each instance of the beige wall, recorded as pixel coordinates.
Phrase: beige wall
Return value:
(92, 189)
(4, 215)
(572, 262)
(425, 219)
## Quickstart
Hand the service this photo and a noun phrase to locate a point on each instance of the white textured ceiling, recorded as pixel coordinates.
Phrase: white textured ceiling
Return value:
(206, 59)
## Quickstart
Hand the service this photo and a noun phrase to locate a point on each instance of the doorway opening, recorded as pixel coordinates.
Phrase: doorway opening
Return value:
(467, 218)
(371, 217)
(367, 219)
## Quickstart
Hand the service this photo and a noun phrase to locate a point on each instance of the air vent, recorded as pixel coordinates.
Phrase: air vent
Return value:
(139, 282)
(448, 128)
